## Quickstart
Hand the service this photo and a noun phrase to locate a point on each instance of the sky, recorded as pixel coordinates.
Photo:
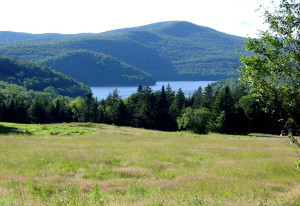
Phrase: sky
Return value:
(236, 17)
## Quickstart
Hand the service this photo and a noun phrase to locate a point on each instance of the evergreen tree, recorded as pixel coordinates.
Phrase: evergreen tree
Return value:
(178, 104)
(239, 92)
(89, 110)
(223, 111)
(141, 106)
(197, 97)
(240, 122)
(38, 111)
(208, 97)
(2, 107)
(224, 102)
(170, 95)
(163, 118)
(20, 111)
(122, 116)
(110, 108)
(58, 111)
(10, 111)
(113, 98)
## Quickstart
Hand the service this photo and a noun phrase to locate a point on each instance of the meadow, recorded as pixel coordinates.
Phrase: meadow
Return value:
(97, 164)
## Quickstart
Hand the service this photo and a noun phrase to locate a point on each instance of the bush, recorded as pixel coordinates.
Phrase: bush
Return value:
(195, 120)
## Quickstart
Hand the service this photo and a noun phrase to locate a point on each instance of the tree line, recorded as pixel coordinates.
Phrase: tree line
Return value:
(224, 110)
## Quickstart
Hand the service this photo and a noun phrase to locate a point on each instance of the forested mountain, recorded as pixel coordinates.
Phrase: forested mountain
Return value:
(94, 68)
(39, 78)
(167, 50)
(8, 36)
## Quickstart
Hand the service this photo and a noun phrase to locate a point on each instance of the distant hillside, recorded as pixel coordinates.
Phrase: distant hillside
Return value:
(166, 50)
(93, 68)
(39, 78)
(8, 36)
(13, 91)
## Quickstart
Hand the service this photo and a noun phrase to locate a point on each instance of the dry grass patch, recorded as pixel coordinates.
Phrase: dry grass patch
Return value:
(163, 164)
(132, 166)
(133, 172)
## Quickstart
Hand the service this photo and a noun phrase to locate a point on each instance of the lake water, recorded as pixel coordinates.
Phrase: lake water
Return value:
(188, 87)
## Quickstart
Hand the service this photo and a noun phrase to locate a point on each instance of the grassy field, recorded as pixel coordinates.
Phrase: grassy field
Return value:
(94, 164)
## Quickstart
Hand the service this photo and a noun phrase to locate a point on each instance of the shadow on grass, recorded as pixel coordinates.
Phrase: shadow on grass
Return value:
(12, 130)
(265, 135)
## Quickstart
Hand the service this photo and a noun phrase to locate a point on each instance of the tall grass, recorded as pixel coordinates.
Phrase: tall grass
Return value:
(109, 165)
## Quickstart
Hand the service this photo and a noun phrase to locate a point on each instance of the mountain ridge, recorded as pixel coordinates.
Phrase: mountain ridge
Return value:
(173, 50)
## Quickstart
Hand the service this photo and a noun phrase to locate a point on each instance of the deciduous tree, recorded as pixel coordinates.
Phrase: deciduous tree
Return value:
(273, 72)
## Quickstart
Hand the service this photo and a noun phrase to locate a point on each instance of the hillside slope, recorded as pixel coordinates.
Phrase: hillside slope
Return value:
(39, 78)
(167, 50)
(93, 68)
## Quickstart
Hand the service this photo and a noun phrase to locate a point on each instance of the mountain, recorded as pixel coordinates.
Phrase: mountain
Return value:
(8, 36)
(39, 78)
(168, 51)
(94, 68)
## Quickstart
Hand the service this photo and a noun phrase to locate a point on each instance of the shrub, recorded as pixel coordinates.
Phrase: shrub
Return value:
(196, 120)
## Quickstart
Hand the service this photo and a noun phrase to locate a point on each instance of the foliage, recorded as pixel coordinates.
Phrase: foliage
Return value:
(12, 91)
(178, 104)
(224, 111)
(196, 120)
(76, 106)
(257, 120)
(273, 73)
(96, 196)
(297, 164)
(89, 108)
(5, 201)
(233, 83)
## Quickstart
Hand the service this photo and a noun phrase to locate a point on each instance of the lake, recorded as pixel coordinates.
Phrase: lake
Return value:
(188, 87)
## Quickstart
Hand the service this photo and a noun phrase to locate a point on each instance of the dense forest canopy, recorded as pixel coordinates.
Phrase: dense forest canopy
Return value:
(93, 68)
(39, 78)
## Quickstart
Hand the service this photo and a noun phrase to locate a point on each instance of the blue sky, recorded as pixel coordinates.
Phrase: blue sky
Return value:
(237, 17)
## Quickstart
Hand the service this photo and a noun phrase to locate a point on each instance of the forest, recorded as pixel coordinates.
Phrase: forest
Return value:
(34, 77)
(223, 110)
(98, 69)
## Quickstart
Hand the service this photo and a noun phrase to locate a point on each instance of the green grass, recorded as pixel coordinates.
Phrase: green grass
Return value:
(96, 164)
(49, 129)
